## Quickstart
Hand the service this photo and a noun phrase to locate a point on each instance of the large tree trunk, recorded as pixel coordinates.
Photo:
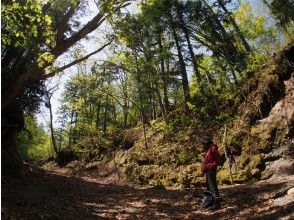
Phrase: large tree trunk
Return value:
(36, 73)
(12, 121)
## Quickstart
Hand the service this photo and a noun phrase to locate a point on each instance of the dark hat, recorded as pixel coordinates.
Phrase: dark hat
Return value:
(207, 140)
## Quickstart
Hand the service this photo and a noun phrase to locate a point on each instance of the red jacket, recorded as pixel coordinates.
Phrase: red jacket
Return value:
(211, 158)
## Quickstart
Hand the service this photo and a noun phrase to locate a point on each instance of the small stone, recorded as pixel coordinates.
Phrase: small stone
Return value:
(290, 192)
(188, 197)
(255, 172)
(232, 208)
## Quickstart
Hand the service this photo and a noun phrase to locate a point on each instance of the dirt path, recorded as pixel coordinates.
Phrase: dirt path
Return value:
(44, 194)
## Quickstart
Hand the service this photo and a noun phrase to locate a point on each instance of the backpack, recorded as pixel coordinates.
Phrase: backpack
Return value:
(207, 200)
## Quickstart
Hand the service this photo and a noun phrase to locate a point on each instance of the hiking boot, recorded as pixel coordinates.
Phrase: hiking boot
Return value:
(215, 206)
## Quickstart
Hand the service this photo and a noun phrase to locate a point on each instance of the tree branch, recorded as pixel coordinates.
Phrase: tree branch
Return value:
(36, 73)
(64, 22)
(74, 62)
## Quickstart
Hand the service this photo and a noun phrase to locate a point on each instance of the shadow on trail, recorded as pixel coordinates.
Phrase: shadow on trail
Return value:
(44, 195)
(251, 202)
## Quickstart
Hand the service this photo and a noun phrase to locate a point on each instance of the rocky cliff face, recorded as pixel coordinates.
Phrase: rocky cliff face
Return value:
(280, 160)
(263, 132)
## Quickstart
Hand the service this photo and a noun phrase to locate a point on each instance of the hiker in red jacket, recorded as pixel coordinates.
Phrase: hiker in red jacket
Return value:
(209, 166)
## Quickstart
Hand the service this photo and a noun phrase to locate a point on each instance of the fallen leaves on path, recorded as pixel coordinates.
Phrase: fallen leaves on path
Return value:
(53, 194)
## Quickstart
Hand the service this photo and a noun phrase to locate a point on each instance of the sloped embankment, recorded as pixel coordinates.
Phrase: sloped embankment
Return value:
(260, 136)
(263, 132)
(169, 156)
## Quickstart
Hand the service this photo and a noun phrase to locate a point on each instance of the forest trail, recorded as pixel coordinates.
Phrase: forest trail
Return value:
(53, 194)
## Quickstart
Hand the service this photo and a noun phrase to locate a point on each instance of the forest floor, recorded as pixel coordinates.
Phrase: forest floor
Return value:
(55, 194)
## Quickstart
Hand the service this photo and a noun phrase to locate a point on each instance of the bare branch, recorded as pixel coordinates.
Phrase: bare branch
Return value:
(75, 62)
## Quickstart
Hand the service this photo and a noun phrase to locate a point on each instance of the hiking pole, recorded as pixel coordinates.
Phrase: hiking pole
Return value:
(226, 155)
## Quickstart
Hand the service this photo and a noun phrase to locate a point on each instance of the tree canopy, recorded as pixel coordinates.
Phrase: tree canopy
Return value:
(166, 55)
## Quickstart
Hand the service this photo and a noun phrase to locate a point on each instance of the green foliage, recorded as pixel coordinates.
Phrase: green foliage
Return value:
(44, 59)
(25, 25)
(177, 120)
(262, 35)
(283, 11)
(254, 63)
(34, 143)
(140, 86)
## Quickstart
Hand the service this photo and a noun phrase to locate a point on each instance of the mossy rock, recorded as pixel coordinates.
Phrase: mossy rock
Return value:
(198, 181)
(244, 160)
(254, 161)
(240, 176)
(170, 180)
(129, 169)
(121, 158)
(157, 183)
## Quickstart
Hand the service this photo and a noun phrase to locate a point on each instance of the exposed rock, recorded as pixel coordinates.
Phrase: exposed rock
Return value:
(290, 192)
(289, 105)
(279, 167)
(283, 201)
(265, 125)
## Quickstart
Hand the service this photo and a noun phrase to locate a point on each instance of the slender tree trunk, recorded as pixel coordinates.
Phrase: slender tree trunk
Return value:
(208, 75)
(105, 115)
(185, 82)
(90, 114)
(163, 75)
(151, 98)
(74, 134)
(237, 29)
(235, 77)
(114, 114)
(54, 145)
(98, 114)
(141, 104)
(187, 36)
(154, 86)
(71, 126)
(152, 102)
(125, 110)
(125, 100)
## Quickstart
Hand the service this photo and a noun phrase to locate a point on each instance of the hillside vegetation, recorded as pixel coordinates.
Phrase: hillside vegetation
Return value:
(260, 136)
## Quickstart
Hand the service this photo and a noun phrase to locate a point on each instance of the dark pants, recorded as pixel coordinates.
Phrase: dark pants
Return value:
(211, 183)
